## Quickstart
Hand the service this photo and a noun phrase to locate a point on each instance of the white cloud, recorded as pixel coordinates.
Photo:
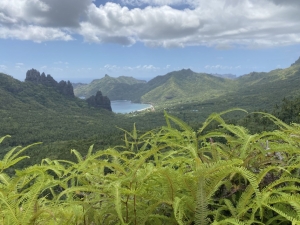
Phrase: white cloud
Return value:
(19, 65)
(55, 13)
(154, 2)
(3, 67)
(221, 67)
(57, 69)
(34, 33)
(61, 62)
(221, 24)
(150, 67)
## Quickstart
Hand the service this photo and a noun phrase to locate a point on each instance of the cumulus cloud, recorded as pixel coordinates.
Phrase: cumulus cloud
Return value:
(221, 24)
(55, 13)
(222, 67)
(286, 2)
(154, 2)
(19, 65)
(40, 20)
(34, 33)
(61, 62)
(3, 67)
(146, 67)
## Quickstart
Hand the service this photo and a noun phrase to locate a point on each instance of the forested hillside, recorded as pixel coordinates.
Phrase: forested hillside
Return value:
(172, 175)
(105, 85)
(34, 112)
(39, 111)
(184, 87)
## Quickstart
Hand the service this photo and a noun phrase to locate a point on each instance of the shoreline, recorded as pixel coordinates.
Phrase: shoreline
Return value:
(127, 109)
(151, 107)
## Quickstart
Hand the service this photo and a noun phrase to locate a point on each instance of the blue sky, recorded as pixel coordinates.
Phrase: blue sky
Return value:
(82, 40)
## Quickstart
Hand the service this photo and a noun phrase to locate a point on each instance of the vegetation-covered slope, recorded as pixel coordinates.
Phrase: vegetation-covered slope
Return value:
(33, 112)
(253, 92)
(173, 175)
(181, 86)
(105, 85)
(172, 87)
(185, 86)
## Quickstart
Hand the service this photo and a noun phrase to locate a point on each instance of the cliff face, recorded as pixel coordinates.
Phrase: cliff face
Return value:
(62, 87)
(99, 101)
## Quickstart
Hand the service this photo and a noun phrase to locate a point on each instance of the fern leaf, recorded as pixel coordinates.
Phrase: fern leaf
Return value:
(179, 122)
(2, 138)
(118, 204)
(201, 203)
(77, 154)
(90, 151)
(178, 211)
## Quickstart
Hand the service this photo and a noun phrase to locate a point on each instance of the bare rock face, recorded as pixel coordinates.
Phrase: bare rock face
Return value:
(66, 88)
(99, 101)
(33, 76)
(63, 87)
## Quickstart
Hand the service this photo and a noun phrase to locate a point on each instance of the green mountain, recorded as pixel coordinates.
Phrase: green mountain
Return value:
(184, 85)
(259, 90)
(177, 86)
(37, 110)
(253, 92)
(105, 85)
(43, 110)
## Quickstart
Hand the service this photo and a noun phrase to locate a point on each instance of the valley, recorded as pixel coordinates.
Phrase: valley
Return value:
(199, 131)
(38, 112)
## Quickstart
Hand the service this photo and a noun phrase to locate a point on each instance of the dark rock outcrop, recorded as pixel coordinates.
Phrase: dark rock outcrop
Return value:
(99, 101)
(63, 87)
(66, 88)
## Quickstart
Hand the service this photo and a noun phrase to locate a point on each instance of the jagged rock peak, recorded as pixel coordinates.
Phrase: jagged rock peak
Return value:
(34, 76)
(99, 101)
(297, 62)
(66, 88)
(63, 87)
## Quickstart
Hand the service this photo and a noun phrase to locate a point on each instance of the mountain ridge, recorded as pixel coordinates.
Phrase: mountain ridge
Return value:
(41, 91)
(105, 85)
(185, 85)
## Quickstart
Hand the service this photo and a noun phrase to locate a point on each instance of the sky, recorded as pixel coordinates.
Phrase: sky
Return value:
(82, 40)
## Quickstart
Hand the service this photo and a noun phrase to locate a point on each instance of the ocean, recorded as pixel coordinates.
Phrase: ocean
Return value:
(125, 106)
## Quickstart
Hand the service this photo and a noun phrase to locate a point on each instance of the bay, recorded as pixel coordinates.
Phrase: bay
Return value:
(125, 106)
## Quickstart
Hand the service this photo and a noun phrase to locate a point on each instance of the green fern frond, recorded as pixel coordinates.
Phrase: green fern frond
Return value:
(118, 206)
(11, 158)
(2, 138)
(231, 207)
(178, 210)
(283, 214)
(184, 126)
(78, 155)
(235, 221)
(217, 117)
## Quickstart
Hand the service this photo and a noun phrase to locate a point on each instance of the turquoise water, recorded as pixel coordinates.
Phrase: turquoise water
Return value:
(124, 106)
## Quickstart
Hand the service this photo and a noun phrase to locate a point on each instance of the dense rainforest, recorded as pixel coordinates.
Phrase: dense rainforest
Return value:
(189, 162)
(171, 175)
(43, 110)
